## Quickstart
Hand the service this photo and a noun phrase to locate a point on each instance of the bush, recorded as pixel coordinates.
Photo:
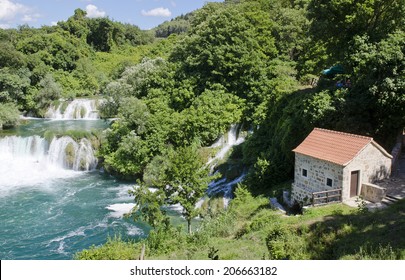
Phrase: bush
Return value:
(165, 239)
(9, 115)
(114, 249)
(284, 243)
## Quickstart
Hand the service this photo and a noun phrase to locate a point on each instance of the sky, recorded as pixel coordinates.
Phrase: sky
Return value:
(144, 13)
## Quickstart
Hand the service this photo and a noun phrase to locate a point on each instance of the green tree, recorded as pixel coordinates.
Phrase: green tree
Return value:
(9, 115)
(14, 84)
(126, 151)
(184, 180)
(48, 92)
(77, 24)
(10, 57)
(337, 22)
(377, 96)
(148, 206)
(210, 115)
(232, 46)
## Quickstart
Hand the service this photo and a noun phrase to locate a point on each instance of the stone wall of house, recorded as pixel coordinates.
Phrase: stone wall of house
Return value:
(317, 173)
(373, 166)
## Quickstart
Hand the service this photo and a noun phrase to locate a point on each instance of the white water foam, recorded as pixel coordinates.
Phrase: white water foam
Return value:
(232, 140)
(31, 161)
(120, 209)
(79, 231)
(134, 230)
(175, 207)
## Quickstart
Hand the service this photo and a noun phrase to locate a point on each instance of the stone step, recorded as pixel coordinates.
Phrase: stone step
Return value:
(388, 200)
(392, 198)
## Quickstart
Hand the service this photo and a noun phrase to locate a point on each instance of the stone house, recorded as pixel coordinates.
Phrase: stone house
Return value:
(332, 165)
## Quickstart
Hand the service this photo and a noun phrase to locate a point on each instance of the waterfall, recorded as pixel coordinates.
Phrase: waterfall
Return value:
(223, 186)
(68, 154)
(233, 139)
(29, 149)
(32, 160)
(76, 109)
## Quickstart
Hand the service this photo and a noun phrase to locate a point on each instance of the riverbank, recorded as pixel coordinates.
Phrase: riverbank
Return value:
(250, 229)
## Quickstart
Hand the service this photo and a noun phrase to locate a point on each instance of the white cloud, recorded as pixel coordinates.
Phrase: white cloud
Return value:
(94, 12)
(4, 26)
(30, 17)
(54, 23)
(9, 10)
(158, 12)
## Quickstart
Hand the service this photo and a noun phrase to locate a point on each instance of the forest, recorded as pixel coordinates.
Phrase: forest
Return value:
(279, 68)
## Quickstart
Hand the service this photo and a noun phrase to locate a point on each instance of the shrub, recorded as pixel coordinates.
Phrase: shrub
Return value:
(9, 115)
(165, 239)
(284, 243)
(114, 249)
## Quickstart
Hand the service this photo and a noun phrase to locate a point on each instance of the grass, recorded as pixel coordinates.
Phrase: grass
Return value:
(249, 229)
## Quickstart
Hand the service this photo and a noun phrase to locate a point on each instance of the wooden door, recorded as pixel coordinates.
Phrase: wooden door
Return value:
(354, 183)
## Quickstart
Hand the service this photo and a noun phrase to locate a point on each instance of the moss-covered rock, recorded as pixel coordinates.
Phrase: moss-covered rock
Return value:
(63, 107)
(83, 112)
(70, 155)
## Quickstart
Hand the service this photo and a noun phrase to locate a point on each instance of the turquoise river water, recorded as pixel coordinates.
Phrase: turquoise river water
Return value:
(49, 211)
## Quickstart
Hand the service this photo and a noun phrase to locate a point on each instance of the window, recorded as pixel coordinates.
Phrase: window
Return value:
(304, 172)
(329, 182)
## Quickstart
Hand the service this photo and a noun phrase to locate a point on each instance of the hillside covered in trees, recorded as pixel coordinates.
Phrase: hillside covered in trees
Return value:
(179, 87)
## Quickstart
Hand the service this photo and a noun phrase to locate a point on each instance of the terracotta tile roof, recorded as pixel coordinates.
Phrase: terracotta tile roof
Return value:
(333, 146)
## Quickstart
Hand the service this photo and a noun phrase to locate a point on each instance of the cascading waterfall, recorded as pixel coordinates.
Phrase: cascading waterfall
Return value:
(67, 153)
(85, 109)
(223, 186)
(29, 148)
(32, 160)
(232, 140)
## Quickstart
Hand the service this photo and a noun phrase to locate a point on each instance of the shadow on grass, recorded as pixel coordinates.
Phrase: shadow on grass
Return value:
(359, 236)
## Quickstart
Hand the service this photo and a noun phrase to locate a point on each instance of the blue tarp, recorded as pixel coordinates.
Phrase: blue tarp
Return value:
(337, 69)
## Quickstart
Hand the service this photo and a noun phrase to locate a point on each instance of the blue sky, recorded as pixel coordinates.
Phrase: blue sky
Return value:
(144, 13)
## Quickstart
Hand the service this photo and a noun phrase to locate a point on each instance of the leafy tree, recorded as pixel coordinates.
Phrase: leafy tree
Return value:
(184, 180)
(148, 206)
(48, 92)
(230, 46)
(58, 50)
(177, 25)
(101, 34)
(14, 84)
(210, 115)
(10, 57)
(290, 30)
(337, 22)
(77, 25)
(376, 102)
(136, 81)
(125, 151)
(130, 157)
(135, 36)
(9, 115)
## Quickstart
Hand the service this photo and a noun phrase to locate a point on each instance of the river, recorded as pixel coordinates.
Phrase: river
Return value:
(48, 211)
(54, 202)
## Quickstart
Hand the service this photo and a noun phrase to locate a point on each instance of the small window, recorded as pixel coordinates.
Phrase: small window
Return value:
(329, 182)
(304, 172)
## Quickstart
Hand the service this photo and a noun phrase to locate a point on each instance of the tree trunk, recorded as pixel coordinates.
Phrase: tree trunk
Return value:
(189, 226)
